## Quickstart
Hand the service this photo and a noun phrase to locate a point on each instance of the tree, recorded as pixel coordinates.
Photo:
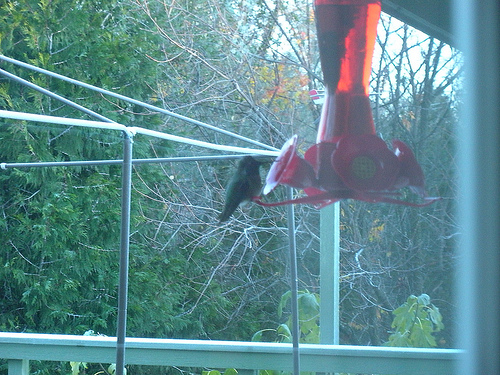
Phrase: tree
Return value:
(246, 67)
(62, 224)
(390, 252)
(61, 230)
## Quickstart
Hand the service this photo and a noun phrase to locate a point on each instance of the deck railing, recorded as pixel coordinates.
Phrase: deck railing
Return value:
(20, 348)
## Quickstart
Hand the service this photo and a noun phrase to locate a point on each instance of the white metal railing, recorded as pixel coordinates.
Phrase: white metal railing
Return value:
(20, 348)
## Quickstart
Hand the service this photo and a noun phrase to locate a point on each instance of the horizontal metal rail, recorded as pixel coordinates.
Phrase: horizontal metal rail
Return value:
(130, 130)
(127, 99)
(19, 348)
(81, 163)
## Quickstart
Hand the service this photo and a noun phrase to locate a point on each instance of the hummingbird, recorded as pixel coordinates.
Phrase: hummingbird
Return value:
(243, 186)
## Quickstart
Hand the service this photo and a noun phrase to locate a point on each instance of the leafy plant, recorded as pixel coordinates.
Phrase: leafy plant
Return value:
(308, 304)
(414, 322)
(229, 371)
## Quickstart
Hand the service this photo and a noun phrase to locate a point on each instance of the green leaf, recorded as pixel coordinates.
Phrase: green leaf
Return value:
(403, 318)
(284, 333)
(412, 299)
(399, 339)
(75, 367)
(257, 336)
(308, 305)
(231, 371)
(424, 299)
(415, 321)
(283, 301)
(422, 338)
(436, 318)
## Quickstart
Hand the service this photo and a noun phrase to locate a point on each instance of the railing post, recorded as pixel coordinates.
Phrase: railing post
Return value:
(124, 253)
(329, 274)
(18, 367)
(294, 283)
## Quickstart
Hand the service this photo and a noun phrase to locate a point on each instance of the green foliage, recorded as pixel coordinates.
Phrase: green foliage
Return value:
(229, 371)
(308, 307)
(58, 267)
(78, 368)
(415, 322)
(308, 304)
(60, 240)
(218, 62)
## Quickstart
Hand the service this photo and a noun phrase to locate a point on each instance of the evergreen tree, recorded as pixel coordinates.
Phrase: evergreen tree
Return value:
(246, 67)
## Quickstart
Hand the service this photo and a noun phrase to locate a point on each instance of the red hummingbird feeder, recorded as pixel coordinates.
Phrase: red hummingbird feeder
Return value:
(348, 160)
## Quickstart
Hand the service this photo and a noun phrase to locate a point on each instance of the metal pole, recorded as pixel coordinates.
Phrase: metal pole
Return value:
(294, 284)
(79, 163)
(134, 101)
(116, 126)
(55, 96)
(124, 253)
